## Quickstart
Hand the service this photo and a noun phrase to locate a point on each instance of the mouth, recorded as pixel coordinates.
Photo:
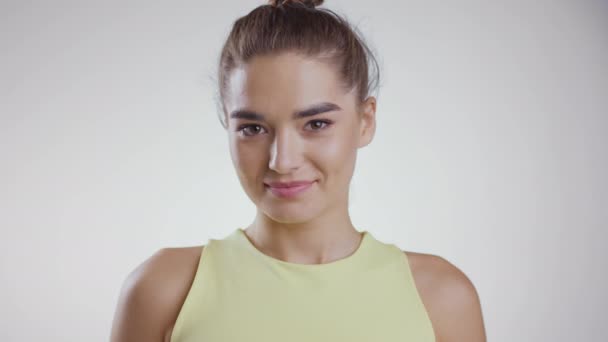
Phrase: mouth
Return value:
(288, 189)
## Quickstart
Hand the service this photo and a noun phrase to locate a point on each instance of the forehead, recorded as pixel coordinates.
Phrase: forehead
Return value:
(283, 80)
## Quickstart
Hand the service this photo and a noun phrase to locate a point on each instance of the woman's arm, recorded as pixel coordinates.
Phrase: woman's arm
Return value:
(152, 296)
(459, 317)
(450, 298)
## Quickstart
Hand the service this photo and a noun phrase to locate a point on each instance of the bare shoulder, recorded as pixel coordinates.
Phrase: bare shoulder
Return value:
(153, 293)
(450, 298)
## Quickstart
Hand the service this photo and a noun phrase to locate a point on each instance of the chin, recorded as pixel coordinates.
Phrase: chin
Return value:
(290, 213)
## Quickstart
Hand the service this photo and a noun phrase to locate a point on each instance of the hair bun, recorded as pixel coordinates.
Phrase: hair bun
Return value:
(307, 3)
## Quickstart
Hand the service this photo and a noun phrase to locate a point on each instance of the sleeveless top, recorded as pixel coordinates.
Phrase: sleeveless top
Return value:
(240, 294)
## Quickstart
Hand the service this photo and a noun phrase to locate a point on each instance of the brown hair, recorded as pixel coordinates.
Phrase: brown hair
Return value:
(298, 26)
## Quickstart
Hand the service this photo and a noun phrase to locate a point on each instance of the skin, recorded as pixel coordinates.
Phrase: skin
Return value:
(267, 143)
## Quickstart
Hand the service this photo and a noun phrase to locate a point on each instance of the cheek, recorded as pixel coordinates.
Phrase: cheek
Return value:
(246, 158)
(337, 154)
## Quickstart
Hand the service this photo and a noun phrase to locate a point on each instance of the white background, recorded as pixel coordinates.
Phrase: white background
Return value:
(491, 151)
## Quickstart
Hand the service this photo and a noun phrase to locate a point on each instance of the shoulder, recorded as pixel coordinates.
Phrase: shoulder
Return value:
(153, 293)
(449, 296)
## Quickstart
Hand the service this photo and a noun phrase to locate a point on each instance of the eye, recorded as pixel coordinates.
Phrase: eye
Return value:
(319, 124)
(253, 129)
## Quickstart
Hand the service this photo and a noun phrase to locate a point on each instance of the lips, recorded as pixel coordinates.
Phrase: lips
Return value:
(287, 190)
(288, 184)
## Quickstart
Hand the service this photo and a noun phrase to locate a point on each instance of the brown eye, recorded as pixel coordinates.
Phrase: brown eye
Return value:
(249, 130)
(318, 125)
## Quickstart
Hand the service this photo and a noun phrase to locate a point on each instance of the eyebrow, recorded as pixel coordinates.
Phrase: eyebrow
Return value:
(312, 110)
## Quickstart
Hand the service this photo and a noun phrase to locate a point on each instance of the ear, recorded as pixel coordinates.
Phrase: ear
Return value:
(367, 121)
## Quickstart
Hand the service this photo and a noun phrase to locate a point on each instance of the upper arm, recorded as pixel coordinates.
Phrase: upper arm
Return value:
(151, 297)
(456, 307)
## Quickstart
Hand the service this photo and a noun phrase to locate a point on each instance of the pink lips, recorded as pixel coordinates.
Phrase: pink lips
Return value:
(288, 189)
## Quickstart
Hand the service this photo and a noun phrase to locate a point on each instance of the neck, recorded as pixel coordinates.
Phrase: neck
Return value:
(326, 238)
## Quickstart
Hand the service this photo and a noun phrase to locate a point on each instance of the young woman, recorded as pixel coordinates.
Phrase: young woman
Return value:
(295, 92)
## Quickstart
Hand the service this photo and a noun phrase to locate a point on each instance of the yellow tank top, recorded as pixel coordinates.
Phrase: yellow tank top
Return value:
(241, 294)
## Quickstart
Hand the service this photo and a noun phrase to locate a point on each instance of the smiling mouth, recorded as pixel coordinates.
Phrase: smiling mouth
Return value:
(291, 190)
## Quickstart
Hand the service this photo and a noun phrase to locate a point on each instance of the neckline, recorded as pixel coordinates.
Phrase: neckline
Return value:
(333, 265)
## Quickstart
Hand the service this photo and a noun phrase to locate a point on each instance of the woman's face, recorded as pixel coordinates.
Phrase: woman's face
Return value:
(289, 119)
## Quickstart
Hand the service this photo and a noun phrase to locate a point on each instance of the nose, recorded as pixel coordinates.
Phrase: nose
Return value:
(284, 153)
